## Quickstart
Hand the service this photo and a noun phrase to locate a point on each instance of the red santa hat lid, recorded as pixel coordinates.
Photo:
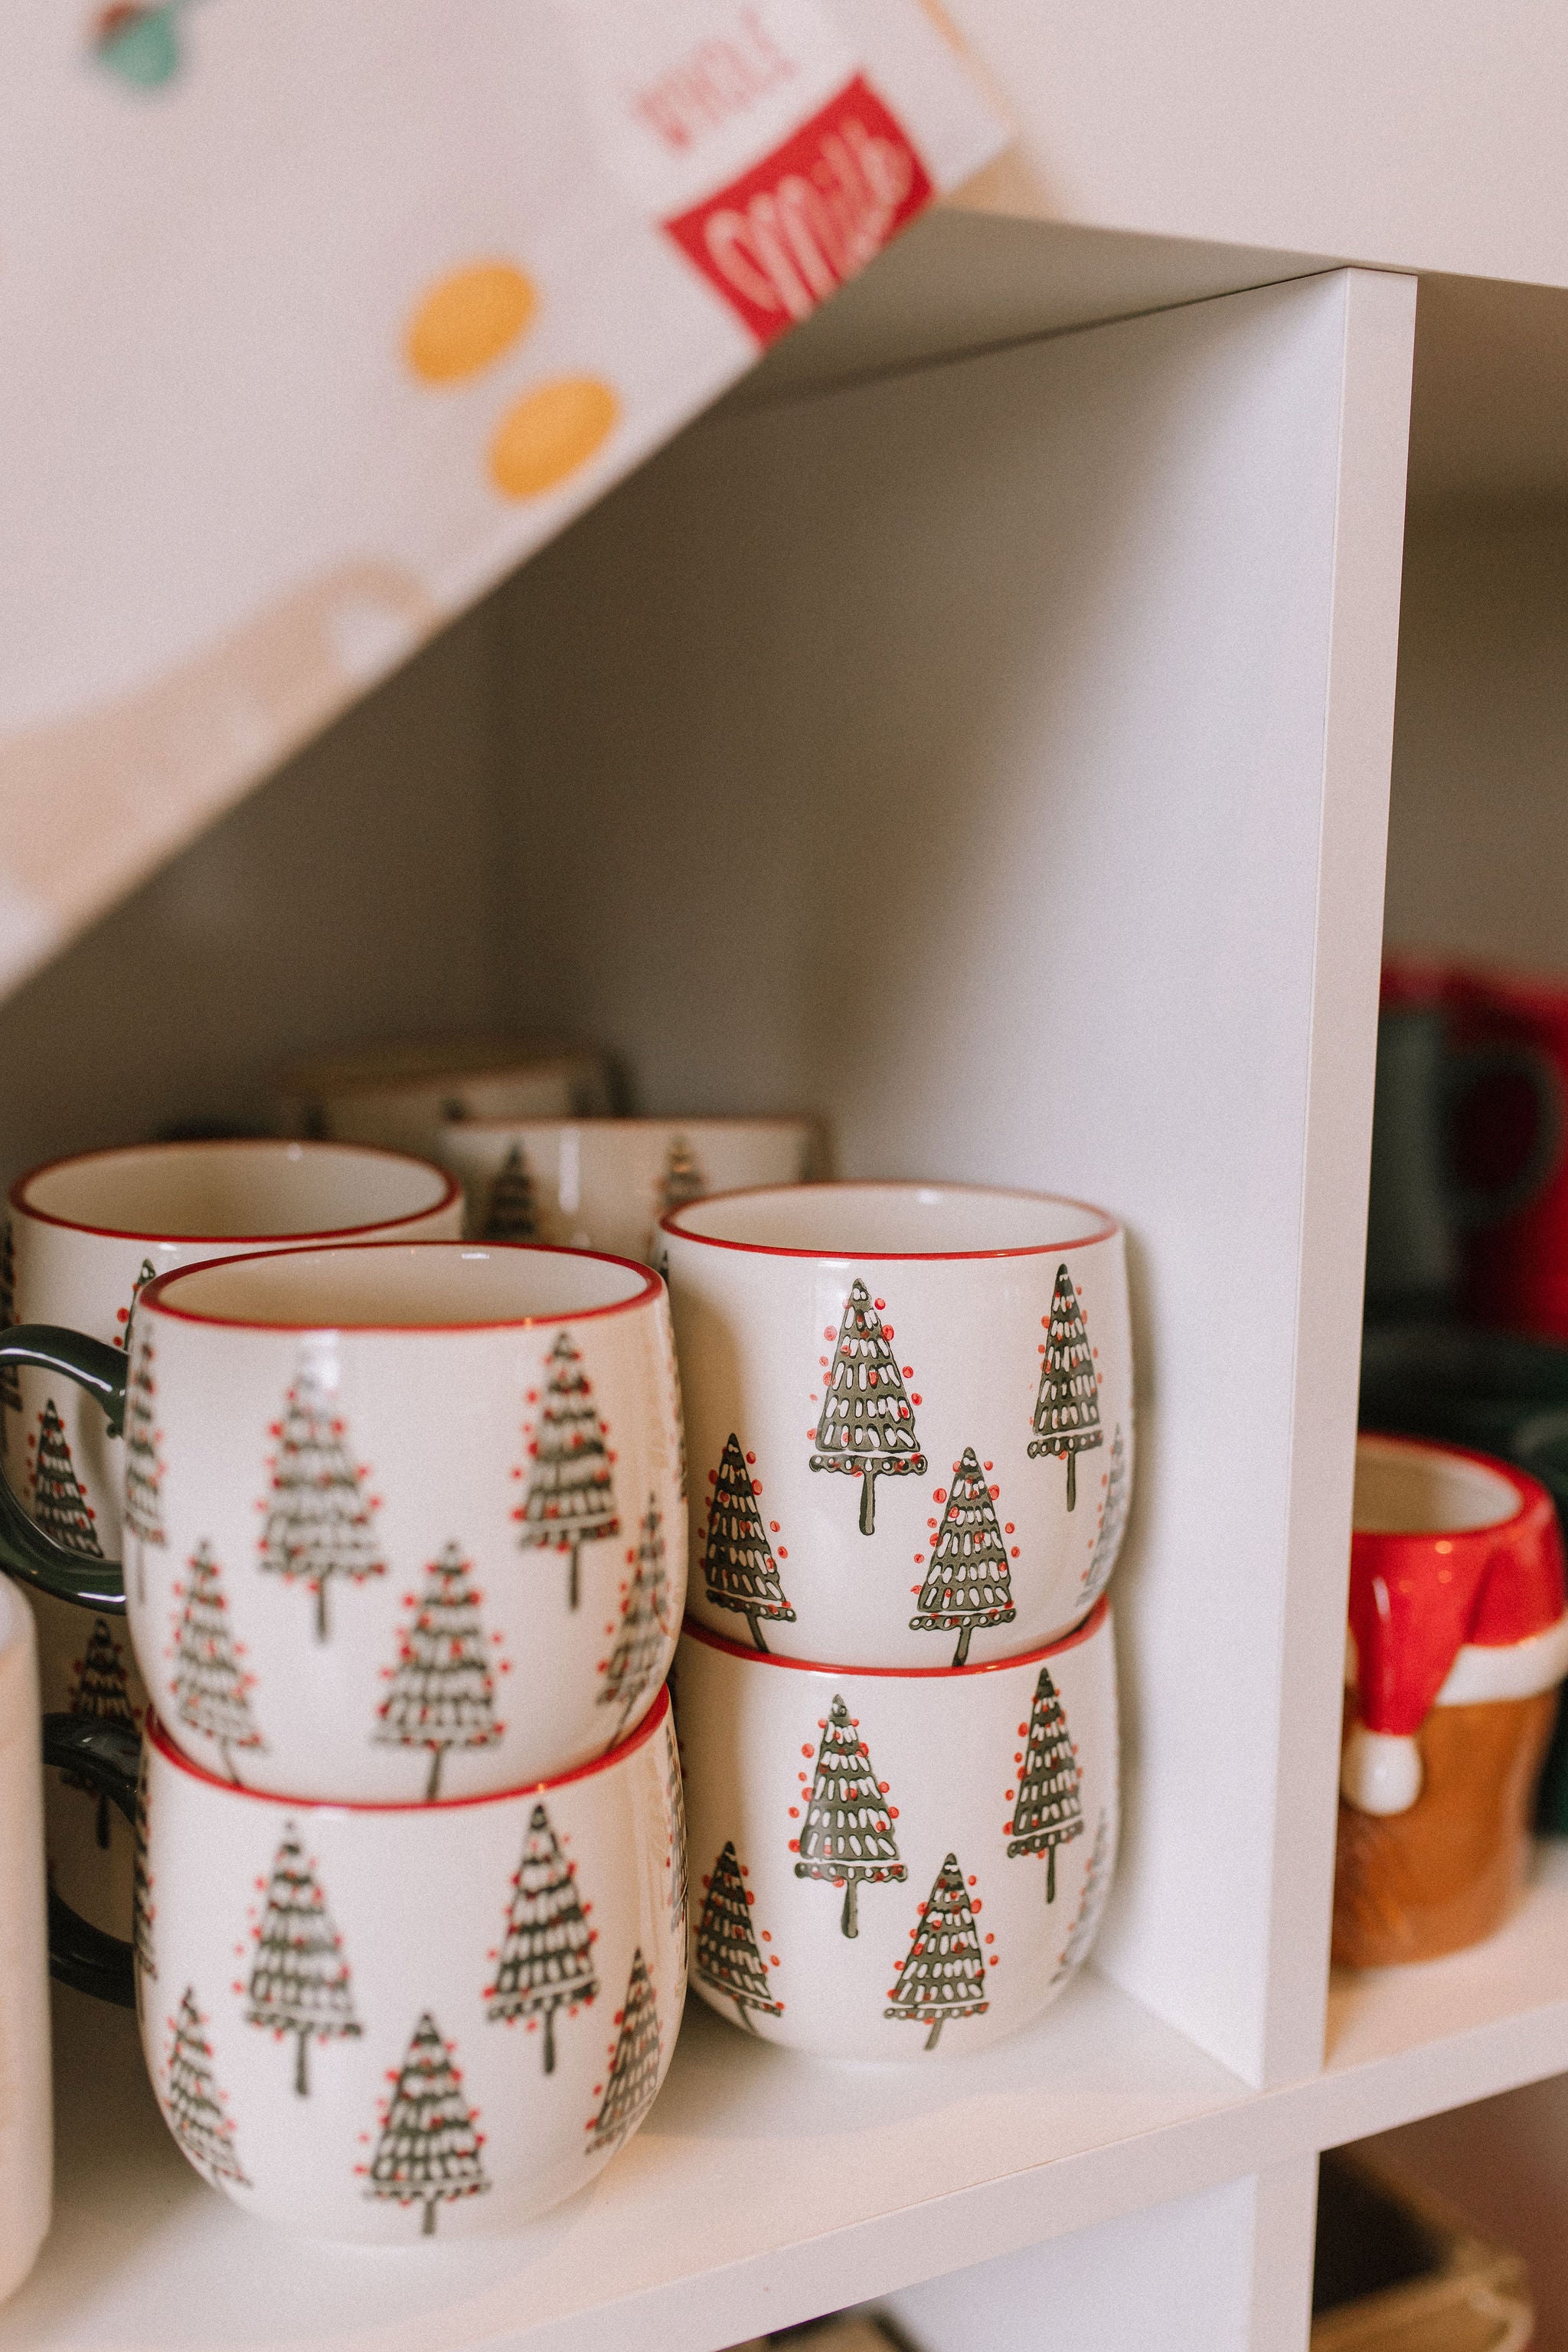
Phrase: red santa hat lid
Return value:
(1451, 1550)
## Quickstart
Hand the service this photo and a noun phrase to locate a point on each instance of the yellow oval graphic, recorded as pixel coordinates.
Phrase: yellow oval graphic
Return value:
(550, 433)
(468, 320)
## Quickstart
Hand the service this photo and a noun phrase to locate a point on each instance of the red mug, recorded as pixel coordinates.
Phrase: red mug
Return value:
(1509, 1138)
(1458, 1626)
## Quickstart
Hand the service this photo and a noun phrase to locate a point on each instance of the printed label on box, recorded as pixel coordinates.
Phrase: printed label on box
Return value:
(802, 223)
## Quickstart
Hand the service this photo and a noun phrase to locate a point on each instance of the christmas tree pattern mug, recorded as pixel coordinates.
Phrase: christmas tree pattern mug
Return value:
(889, 1864)
(82, 1239)
(908, 1417)
(386, 2022)
(422, 1527)
(603, 1183)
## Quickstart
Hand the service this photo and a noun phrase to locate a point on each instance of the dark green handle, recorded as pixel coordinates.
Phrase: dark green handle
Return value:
(1476, 1206)
(110, 1756)
(25, 1551)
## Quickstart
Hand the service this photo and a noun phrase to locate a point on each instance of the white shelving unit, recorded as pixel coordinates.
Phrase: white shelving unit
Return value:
(979, 731)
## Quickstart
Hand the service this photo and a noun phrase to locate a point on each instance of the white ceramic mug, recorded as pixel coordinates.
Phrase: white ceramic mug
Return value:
(26, 2119)
(383, 2022)
(605, 1183)
(908, 1416)
(83, 1238)
(402, 1095)
(889, 1864)
(419, 1530)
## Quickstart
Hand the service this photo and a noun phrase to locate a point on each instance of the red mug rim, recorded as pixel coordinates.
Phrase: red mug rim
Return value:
(1083, 1632)
(1530, 1495)
(153, 1299)
(1109, 1226)
(157, 1735)
(451, 1189)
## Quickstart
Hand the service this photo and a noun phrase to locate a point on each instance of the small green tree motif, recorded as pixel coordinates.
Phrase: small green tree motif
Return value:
(1066, 1409)
(1112, 1524)
(100, 1691)
(628, 2091)
(968, 1581)
(211, 1686)
(571, 1498)
(847, 1834)
(867, 1427)
(299, 1980)
(675, 1811)
(728, 1955)
(318, 1520)
(193, 2102)
(429, 2149)
(943, 1974)
(1048, 1812)
(640, 1639)
(442, 1691)
(10, 1384)
(738, 1565)
(143, 1910)
(1086, 1919)
(125, 1317)
(144, 1462)
(59, 1505)
(682, 1180)
(511, 1212)
(546, 1960)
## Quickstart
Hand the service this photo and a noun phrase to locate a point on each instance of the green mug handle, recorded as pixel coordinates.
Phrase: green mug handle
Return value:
(26, 1551)
(110, 1756)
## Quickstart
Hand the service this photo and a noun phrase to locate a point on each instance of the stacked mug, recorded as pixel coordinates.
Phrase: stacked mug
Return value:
(402, 1541)
(909, 1421)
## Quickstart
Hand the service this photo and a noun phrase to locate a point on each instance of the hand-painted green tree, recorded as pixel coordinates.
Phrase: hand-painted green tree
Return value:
(211, 1686)
(300, 1978)
(59, 1505)
(545, 1962)
(943, 1974)
(441, 1691)
(511, 1212)
(628, 2089)
(99, 1691)
(738, 1565)
(847, 1834)
(318, 1520)
(1112, 1524)
(428, 2151)
(1066, 1406)
(728, 1955)
(1048, 1811)
(143, 1909)
(144, 1462)
(1085, 1921)
(866, 1426)
(193, 2102)
(571, 1498)
(637, 1649)
(968, 1581)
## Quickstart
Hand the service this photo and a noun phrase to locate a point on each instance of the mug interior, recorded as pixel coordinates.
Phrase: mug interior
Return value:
(1403, 1489)
(862, 1220)
(402, 1286)
(251, 1189)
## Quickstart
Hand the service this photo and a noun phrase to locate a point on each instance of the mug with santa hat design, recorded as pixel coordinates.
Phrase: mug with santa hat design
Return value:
(1458, 1638)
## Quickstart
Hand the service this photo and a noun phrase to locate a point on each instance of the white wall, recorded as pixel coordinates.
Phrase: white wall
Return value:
(1478, 843)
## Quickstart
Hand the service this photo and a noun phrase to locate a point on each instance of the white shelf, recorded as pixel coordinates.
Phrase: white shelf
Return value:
(764, 2187)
